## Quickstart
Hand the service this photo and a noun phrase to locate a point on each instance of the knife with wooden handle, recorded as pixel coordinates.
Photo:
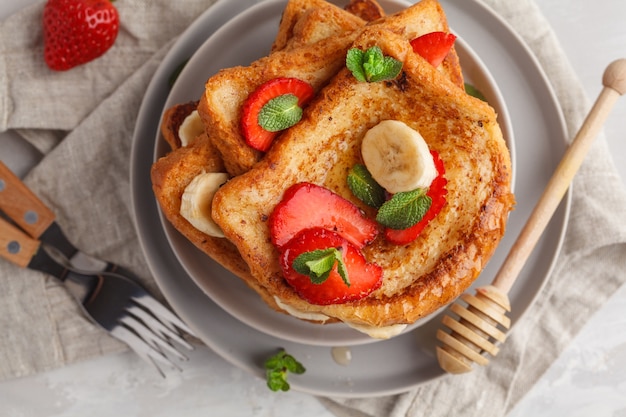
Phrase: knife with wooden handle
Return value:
(22, 205)
(15, 245)
(31, 214)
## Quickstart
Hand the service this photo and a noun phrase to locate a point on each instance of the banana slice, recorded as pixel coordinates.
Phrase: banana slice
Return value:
(398, 157)
(196, 202)
(190, 128)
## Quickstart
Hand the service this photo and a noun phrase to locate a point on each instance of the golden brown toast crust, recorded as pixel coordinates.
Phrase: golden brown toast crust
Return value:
(428, 273)
(301, 23)
(225, 92)
(432, 18)
(170, 176)
(367, 10)
(308, 21)
(220, 109)
(171, 120)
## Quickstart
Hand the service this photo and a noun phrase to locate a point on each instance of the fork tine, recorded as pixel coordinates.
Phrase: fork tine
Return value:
(157, 326)
(160, 310)
(151, 338)
(143, 349)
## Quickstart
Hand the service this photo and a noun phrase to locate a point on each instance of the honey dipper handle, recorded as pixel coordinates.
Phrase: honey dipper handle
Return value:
(614, 81)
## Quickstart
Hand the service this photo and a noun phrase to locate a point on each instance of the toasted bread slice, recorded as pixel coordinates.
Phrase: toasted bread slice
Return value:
(367, 10)
(303, 22)
(308, 21)
(420, 277)
(170, 176)
(225, 92)
(172, 119)
(305, 55)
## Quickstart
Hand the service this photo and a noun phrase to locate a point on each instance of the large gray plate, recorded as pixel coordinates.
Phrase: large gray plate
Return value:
(376, 368)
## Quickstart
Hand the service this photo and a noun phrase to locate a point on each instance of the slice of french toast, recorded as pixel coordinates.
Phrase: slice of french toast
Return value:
(172, 120)
(420, 277)
(303, 22)
(314, 62)
(308, 21)
(170, 176)
(367, 10)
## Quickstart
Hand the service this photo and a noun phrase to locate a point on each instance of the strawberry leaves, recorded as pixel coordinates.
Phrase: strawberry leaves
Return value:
(437, 192)
(474, 92)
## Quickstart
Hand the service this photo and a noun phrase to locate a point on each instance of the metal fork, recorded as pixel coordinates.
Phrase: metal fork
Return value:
(114, 302)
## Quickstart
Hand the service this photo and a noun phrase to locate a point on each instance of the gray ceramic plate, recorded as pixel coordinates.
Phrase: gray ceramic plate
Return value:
(230, 318)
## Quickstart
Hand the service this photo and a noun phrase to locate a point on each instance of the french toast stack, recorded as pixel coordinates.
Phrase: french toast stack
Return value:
(313, 39)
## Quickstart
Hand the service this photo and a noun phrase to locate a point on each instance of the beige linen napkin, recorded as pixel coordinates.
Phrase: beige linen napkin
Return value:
(84, 176)
(590, 268)
(83, 121)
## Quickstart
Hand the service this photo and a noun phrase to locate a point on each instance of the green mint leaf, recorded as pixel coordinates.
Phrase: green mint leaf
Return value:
(318, 264)
(373, 62)
(372, 65)
(404, 210)
(280, 113)
(293, 366)
(342, 269)
(277, 368)
(474, 92)
(354, 62)
(277, 381)
(364, 187)
(389, 69)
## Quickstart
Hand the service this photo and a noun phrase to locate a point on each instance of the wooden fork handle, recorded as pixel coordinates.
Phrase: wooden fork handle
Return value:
(15, 245)
(22, 205)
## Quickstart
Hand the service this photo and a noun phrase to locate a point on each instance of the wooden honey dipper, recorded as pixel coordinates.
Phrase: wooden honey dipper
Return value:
(483, 322)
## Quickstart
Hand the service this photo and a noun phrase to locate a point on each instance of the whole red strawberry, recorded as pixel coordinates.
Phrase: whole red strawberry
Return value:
(77, 31)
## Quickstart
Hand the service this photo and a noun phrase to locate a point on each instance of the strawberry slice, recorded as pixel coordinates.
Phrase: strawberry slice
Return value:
(437, 192)
(259, 132)
(363, 277)
(305, 205)
(433, 46)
